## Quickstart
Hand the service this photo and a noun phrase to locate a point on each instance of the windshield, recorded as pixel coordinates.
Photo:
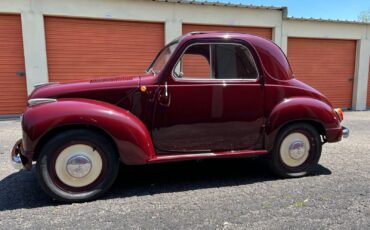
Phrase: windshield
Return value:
(162, 58)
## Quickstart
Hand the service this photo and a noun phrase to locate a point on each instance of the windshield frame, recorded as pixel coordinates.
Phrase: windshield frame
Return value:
(150, 68)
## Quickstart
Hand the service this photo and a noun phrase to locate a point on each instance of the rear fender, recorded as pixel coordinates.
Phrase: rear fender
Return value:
(298, 109)
(130, 135)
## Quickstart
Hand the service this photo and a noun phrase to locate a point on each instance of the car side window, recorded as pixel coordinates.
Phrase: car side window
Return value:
(195, 62)
(233, 62)
(216, 61)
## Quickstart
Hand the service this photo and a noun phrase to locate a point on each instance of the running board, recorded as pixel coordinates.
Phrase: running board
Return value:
(197, 156)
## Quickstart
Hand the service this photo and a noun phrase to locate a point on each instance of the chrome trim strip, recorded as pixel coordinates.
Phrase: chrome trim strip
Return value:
(38, 101)
(36, 86)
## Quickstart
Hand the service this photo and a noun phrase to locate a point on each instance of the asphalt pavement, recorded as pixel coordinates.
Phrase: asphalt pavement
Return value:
(209, 194)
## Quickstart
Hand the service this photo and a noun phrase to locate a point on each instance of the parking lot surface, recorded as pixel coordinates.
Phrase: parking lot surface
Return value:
(210, 194)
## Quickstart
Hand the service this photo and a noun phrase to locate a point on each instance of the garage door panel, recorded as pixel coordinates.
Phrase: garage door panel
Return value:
(326, 64)
(85, 49)
(13, 93)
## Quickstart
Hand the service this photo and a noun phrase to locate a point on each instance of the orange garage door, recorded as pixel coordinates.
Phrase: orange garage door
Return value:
(263, 32)
(326, 64)
(13, 93)
(84, 48)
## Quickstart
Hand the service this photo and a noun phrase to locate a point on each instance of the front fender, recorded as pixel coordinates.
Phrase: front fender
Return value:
(127, 131)
(299, 109)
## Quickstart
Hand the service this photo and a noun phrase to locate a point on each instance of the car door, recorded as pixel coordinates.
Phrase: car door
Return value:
(212, 101)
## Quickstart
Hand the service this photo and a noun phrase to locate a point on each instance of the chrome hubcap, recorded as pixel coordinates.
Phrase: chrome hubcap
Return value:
(294, 149)
(297, 149)
(78, 166)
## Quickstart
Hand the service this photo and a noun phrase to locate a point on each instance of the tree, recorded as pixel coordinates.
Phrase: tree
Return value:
(364, 16)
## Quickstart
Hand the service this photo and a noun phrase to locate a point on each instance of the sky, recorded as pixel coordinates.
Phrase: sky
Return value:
(325, 9)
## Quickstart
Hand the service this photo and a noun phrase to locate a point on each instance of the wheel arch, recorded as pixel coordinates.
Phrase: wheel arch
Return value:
(319, 127)
(300, 109)
(54, 131)
(128, 133)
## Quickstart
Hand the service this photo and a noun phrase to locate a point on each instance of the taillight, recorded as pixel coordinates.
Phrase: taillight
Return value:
(339, 112)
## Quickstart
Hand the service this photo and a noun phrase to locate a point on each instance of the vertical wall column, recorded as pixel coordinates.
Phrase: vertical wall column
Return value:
(277, 35)
(361, 75)
(173, 29)
(284, 38)
(34, 48)
(284, 44)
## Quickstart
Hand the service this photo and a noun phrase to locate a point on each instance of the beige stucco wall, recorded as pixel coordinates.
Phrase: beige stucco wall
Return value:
(174, 15)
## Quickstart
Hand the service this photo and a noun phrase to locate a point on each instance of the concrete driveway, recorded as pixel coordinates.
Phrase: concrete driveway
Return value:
(218, 194)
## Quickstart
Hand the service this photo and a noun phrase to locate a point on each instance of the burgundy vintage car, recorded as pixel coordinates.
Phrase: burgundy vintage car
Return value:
(206, 95)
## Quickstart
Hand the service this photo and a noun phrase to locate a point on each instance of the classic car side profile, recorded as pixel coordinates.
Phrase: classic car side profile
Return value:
(206, 95)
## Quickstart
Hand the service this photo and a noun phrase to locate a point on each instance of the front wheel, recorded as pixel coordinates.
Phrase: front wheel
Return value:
(296, 152)
(77, 165)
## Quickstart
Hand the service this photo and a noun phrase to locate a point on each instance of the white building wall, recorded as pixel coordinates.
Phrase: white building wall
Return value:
(360, 84)
(173, 29)
(34, 48)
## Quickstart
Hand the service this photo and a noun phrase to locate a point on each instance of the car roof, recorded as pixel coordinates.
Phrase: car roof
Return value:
(218, 34)
(272, 57)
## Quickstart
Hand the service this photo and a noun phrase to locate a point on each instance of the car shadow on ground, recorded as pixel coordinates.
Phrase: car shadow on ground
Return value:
(21, 190)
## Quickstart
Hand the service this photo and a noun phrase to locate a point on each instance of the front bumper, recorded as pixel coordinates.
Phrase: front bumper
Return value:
(336, 134)
(18, 158)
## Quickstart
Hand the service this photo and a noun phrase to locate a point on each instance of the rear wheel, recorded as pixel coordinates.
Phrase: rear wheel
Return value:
(77, 166)
(296, 152)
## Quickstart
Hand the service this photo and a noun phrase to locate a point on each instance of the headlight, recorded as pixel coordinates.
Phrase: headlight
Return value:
(38, 101)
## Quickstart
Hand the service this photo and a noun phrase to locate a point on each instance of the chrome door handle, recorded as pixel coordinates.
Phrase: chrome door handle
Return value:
(165, 98)
(165, 89)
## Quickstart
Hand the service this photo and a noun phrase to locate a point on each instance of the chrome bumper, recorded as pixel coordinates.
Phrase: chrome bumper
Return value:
(345, 132)
(15, 155)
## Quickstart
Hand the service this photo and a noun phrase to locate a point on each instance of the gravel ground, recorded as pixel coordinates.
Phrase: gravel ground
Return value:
(211, 194)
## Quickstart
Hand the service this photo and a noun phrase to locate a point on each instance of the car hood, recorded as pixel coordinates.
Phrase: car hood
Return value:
(109, 89)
